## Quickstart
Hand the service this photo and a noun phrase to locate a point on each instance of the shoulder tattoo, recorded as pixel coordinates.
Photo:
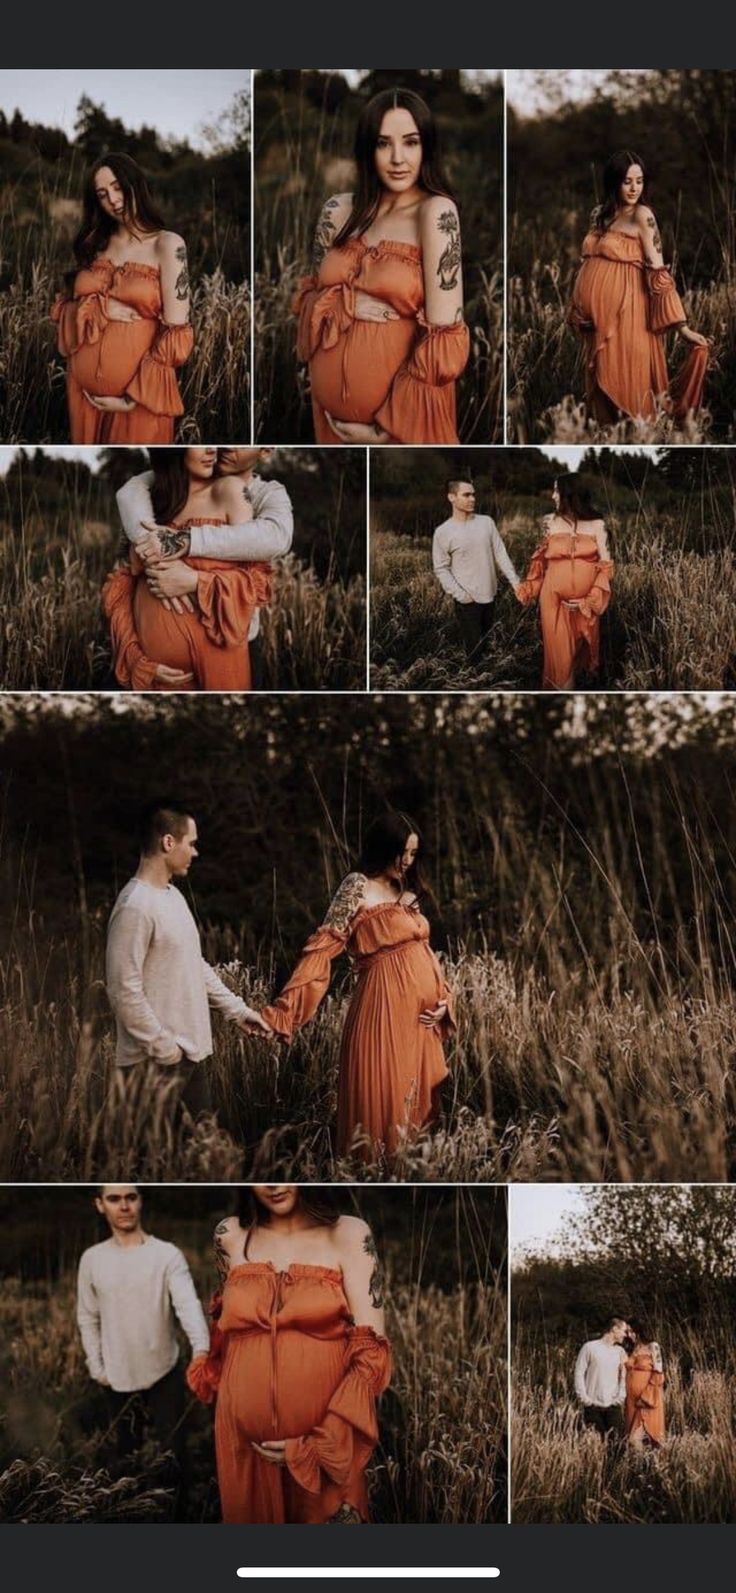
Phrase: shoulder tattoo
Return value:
(181, 286)
(222, 1259)
(656, 240)
(345, 903)
(448, 266)
(375, 1287)
(324, 234)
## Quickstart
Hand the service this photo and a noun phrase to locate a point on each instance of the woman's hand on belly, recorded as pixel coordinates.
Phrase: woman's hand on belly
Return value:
(118, 405)
(174, 680)
(116, 310)
(433, 1015)
(350, 431)
(366, 307)
(273, 1450)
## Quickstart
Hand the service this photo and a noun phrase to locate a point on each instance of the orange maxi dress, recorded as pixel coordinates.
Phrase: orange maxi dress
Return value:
(400, 373)
(567, 566)
(644, 1397)
(286, 1361)
(391, 1065)
(211, 643)
(621, 306)
(112, 359)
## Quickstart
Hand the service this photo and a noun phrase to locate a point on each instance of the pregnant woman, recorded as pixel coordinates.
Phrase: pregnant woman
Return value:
(644, 1408)
(124, 326)
(570, 572)
(381, 318)
(392, 1061)
(624, 300)
(297, 1359)
(198, 641)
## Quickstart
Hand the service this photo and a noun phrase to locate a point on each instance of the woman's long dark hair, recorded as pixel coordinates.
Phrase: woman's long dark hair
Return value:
(319, 1204)
(368, 187)
(614, 172)
(170, 488)
(140, 212)
(384, 841)
(639, 1333)
(576, 499)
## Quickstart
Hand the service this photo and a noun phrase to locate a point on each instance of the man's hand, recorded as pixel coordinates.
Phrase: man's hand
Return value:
(433, 1015)
(117, 406)
(104, 1382)
(357, 432)
(253, 1023)
(272, 1450)
(160, 544)
(174, 581)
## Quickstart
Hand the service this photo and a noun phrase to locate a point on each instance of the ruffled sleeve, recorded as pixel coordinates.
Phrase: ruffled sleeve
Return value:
(154, 384)
(309, 982)
(132, 668)
(529, 589)
(599, 596)
(323, 314)
(79, 321)
(666, 308)
(204, 1371)
(339, 1449)
(227, 599)
(420, 407)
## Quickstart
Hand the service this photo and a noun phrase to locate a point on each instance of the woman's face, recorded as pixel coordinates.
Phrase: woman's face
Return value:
(109, 192)
(200, 462)
(279, 1199)
(556, 499)
(632, 186)
(407, 858)
(398, 152)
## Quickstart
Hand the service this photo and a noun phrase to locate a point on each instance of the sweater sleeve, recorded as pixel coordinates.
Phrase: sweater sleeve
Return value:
(267, 536)
(442, 566)
(501, 556)
(88, 1320)
(222, 999)
(135, 505)
(154, 384)
(128, 939)
(581, 1369)
(342, 1443)
(186, 1304)
(133, 669)
(420, 406)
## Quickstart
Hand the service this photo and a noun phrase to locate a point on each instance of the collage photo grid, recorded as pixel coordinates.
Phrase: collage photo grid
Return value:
(367, 833)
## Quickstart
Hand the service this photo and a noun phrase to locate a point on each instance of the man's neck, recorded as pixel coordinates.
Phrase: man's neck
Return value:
(462, 515)
(247, 476)
(154, 871)
(129, 1241)
(608, 1338)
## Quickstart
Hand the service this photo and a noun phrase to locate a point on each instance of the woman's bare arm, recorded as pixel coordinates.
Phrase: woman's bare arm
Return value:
(172, 257)
(439, 233)
(361, 1272)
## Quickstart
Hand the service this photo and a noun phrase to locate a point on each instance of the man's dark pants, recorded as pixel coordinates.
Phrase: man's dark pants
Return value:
(608, 1420)
(164, 1405)
(188, 1081)
(255, 649)
(474, 621)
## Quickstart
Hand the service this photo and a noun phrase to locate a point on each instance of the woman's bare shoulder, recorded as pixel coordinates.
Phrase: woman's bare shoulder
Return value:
(167, 244)
(228, 492)
(644, 217)
(350, 1234)
(337, 209)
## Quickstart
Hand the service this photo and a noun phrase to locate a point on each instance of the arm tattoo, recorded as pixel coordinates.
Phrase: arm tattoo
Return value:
(324, 235)
(175, 543)
(181, 286)
(247, 495)
(656, 240)
(375, 1287)
(345, 903)
(222, 1259)
(449, 262)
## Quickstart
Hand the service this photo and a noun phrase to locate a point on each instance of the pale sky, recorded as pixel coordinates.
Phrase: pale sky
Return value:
(571, 454)
(528, 97)
(539, 1215)
(58, 451)
(175, 103)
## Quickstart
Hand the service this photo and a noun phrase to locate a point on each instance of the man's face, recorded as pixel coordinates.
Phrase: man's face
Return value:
(237, 461)
(463, 497)
(120, 1204)
(620, 1331)
(180, 851)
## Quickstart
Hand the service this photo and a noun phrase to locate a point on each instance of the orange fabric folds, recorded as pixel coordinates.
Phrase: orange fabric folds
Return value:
(566, 569)
(132, 668)
(644, 1406)
(154, 384)
(665, 305)
(390, 1065)
(346, 1436)
(322, 315)
(421, 404)
(204, 1371)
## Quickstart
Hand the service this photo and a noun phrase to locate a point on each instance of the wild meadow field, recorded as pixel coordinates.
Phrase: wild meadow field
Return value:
(671, 624)
(588, 933)
(441, 1454)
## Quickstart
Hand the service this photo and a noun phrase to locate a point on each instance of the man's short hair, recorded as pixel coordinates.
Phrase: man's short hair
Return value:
(162, 818)
(612, 1320)
(456, 481)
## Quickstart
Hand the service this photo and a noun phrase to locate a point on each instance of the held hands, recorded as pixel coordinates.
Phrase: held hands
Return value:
(117, 406)
(358, 432)
(253, 1023)
(433, 1016)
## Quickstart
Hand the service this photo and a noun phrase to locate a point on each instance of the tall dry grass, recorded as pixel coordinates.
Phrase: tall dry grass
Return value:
(442, 1446)
(671, 625)
(562, 1472)
(54, 634)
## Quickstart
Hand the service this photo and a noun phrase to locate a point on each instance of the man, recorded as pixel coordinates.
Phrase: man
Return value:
(131, 1290)
(600, 1379)
(467, 553)
(267, 536)
(159, 985)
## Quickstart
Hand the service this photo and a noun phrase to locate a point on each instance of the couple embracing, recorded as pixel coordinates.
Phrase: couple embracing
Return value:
(619, 1382)
(201, 528)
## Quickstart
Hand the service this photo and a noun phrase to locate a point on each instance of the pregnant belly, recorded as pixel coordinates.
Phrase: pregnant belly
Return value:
(279, 1390)
(163, 636)
(569, 581)
(352, 380)
(107, 368)
(406, 980)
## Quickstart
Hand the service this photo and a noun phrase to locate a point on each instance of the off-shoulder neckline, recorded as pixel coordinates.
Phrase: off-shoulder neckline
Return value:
(386, 246)
(126, 265)
(295, 1268)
